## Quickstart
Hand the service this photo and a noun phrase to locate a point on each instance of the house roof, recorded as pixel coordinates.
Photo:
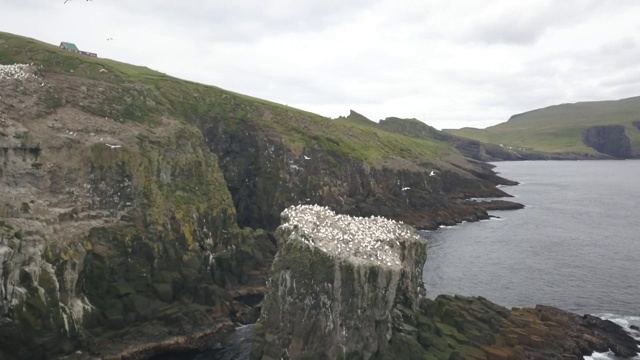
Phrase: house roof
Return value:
(70, 46)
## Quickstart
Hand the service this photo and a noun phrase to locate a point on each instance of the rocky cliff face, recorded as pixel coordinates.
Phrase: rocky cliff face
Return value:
(608, 139)
(335, 284)
(111, 229)
(264, 176)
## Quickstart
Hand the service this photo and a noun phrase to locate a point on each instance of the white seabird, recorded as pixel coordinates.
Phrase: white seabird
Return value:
(113, 146)
(433, 173)
(405, 188)
(306, 157)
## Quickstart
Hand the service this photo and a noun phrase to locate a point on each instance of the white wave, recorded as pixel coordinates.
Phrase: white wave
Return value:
(600, 356)
(625, 322)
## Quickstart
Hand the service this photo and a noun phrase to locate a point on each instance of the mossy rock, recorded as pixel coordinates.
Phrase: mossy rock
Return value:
(164, 292)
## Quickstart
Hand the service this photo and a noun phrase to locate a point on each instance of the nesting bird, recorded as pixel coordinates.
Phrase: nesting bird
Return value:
(15, 71)
(362, 240)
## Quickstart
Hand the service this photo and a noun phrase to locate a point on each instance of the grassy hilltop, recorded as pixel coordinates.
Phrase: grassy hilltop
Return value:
(146, 95)
(561, 129)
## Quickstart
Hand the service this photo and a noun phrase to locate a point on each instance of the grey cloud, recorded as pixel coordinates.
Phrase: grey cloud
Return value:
(248, 20)
(524, 25)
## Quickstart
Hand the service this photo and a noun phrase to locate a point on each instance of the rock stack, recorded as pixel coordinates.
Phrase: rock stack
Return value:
(335, 284)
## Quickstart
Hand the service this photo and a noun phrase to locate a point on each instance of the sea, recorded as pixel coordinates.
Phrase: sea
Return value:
(575, 245)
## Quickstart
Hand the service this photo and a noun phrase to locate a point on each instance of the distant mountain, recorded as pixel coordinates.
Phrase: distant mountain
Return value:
(598, 129)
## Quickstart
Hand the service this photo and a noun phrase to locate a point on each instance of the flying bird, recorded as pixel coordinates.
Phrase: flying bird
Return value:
(113, 146)
(433, 173)
(109, 39)
(306, 157)
(405, 188)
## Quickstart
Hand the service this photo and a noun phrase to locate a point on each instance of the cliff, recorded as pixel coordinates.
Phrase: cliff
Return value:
(335, 284)
(136, 208)
(112, 230)
(350, 288)
(583, 130)
(608, 139)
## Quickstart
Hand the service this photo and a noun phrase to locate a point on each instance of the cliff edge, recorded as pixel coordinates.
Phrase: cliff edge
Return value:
(335, 284)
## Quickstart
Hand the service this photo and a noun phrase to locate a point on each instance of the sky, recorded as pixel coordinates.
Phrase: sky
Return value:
(451, 64)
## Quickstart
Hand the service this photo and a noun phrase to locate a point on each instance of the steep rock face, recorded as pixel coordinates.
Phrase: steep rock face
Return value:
(109, 229)
(608, 139)
(333, 289)
(264, 177)
(636, 124)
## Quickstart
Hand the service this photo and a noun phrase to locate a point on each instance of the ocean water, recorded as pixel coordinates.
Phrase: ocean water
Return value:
(575, 246)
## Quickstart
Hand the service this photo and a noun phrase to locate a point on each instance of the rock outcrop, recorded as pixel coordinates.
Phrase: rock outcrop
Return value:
(608, 139)
(111, 230)
(335, 284)
(350, 288)
(458, 327)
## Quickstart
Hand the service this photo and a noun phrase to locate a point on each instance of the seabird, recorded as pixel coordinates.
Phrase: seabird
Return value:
(433, 173)
(109, 39)
(307, 158)
(113, 146)
(405, 188)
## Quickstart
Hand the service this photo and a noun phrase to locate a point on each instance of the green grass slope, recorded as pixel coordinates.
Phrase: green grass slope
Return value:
(144, 95)
(558, 128)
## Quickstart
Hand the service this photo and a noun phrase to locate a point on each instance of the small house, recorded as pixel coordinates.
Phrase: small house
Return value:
(69, 47)
(73, 48)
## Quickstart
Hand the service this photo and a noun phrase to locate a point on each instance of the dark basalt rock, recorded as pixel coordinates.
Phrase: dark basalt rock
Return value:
(608, 139)
(457, 327)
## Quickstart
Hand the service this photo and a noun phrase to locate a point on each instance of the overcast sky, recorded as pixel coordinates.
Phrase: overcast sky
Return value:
(449, 63)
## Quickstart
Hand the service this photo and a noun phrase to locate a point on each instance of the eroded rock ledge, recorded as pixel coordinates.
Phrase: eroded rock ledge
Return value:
(351, 288)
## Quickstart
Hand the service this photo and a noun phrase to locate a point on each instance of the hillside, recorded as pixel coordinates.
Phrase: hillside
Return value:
(600, 129)
(137, 208)
(414, 128)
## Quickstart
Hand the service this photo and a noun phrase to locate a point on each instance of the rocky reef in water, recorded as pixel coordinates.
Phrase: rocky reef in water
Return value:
(352, 288)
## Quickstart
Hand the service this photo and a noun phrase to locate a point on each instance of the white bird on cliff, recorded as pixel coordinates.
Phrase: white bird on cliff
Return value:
(433, 173)
(113, 146)
(306, 157)
(405, 188)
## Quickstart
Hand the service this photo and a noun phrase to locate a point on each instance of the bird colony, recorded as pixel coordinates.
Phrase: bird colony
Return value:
(15, 71)
(373, 240)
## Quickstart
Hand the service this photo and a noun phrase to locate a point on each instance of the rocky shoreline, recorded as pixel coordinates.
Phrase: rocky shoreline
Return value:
(319, 306)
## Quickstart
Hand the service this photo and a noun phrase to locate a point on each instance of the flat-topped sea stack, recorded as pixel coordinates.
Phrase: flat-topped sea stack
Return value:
(335, 283)
(345, 287)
